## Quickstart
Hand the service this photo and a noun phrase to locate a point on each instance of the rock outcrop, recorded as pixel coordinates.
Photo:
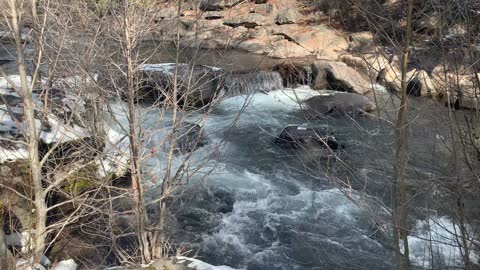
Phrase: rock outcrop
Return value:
(287, 16)
(249, 20)
(338, 102)
(197, 85)
(338, 76)
(276, 29)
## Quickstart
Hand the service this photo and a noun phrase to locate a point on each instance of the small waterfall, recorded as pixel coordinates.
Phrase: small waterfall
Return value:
(249, 83)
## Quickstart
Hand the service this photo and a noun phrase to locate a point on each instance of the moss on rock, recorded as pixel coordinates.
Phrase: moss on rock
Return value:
(82, 180)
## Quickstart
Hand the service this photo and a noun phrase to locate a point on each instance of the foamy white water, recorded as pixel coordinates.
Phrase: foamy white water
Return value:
(285, 216)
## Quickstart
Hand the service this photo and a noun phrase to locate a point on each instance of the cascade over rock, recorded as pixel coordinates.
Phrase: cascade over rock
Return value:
(249, 83)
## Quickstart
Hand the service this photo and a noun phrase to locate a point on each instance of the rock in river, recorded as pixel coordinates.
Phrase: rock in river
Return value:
(197, 84)
(338, 76)
(298, 136)
(339, 102)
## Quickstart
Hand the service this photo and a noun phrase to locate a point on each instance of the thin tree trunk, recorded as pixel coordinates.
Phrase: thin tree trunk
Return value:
(135, 167)
(39, 236)
(463, 241)
(167, 181)
(98, 122)
(3, 246)
(401, 230)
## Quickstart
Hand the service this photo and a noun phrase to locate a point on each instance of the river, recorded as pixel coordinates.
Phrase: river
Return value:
(304, 208)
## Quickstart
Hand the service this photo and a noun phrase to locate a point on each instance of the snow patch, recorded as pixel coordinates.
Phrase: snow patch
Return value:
(157, 67)
(74, 82)
(19, 152)
(379, 88)
(62, 132)
(13, 81)
(18, 240)
(195, 264)
(66, 265)
(437, 236)
(9, 36)
(115, 154)
(8, 92)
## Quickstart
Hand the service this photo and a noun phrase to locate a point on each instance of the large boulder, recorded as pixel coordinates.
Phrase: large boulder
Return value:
(306, 40)
(189, 137)
(420, 84)
(299, 136)
(216, 5)
(265, 9)
(338, 76)
(463, 89)
(372, 62)
(287, 16)
(339, 102)
(197, 85)
(197, 210)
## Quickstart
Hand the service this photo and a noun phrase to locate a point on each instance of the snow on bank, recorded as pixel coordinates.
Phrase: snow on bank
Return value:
(167, 68)
(115, 154)
(12, 81)
(438, 237)
(19, 240)
(8, 35)
(20, 152)
(50, 129)
(46, 263)
(66, 265)
(195, 264)
(61, 132)
(72, 82)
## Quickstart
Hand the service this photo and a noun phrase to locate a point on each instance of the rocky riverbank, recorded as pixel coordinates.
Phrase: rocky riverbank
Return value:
(299, 30)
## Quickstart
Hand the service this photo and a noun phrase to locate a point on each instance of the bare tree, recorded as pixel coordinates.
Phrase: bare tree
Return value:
(55, 158)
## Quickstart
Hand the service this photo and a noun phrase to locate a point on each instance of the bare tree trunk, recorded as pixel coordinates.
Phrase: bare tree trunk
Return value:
(32, 139)
(167, 180)
(400, 227)
(98, 120)
(134, 137)
(459, 191)
(463, 232)
(3, 246)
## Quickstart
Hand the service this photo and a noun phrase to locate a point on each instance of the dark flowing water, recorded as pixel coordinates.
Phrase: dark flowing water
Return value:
(306, 209)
